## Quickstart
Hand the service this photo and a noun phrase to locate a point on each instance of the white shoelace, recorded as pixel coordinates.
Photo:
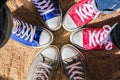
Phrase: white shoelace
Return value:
(101, 37)
(85, 11)
(42, 71)
(27, 31)
(44, 6)
(72, 72)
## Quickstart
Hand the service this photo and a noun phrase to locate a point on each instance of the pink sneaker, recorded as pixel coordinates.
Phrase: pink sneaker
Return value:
(93, 38)
(80, 14)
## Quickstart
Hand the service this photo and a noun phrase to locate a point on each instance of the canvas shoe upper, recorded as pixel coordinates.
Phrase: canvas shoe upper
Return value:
(74, 63)
(6, 23)
(44, 64)
(93, 38)
(80, 14)
(50, 13)
(31, 35)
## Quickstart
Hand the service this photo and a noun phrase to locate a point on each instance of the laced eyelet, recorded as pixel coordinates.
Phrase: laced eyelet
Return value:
(24, 30)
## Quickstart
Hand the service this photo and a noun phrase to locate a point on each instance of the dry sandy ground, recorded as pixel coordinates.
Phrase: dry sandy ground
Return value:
(16, 58)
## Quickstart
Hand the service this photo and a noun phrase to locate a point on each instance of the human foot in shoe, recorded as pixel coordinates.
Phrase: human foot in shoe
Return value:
(74, 63)
(93, 38)
(50, 13)
(80, 14)
(44, 64)
(31, 35)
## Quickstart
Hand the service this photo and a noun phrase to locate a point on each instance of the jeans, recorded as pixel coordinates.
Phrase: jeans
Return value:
(107, 6)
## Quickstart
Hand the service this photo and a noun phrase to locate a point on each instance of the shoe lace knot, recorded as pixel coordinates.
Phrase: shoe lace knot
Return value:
(42, 71)
(24, 30)
(101, 37)
(74, 69)
(44, 6)
(85, 11)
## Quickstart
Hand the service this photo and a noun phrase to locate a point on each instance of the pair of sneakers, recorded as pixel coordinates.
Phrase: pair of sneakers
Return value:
(36, 36)
(80, 14)
(46, 61)
(28, 34)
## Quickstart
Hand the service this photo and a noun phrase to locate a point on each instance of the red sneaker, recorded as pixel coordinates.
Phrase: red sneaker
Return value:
(93, 38)
(80, 14)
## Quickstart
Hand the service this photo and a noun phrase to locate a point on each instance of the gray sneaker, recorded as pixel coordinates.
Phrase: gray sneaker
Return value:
(74, 63)
(44, 64)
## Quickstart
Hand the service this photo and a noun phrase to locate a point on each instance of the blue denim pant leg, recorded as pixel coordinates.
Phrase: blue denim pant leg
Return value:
(107, 5)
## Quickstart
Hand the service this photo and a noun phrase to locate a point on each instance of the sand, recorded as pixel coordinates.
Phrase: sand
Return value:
(16, 58)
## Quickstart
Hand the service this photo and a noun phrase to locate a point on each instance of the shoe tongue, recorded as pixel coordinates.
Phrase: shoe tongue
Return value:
(70, 61)
(49, 61)
(46, 60)
(74, 63)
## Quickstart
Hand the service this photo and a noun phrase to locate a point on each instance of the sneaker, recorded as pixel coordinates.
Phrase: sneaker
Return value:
(80, 14)
(6, 23)
(30, 35)
(74, 63)
(44, 64)
(50, 13)
(93, 38)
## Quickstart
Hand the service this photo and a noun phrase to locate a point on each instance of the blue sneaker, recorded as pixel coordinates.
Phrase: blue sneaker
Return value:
(50, 13)
(30, 35)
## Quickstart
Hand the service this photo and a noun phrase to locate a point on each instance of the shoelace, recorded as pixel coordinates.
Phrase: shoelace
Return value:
(100, 37)
(44, 6)
(72, 71)
(24, 30)
(85, 11)
(42, 71)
